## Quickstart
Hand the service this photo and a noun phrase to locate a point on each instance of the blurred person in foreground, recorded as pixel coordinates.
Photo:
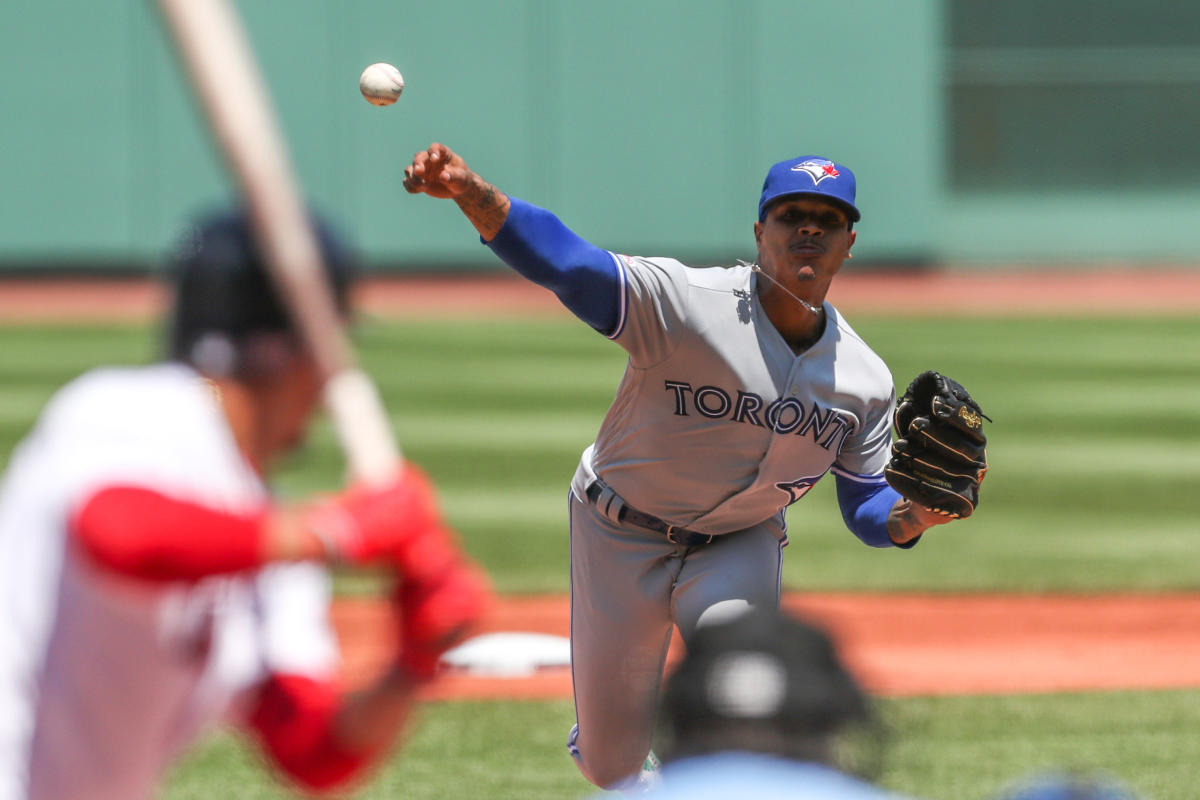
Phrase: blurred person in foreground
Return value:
(762, 707)
(1068, 786)
(151, 585)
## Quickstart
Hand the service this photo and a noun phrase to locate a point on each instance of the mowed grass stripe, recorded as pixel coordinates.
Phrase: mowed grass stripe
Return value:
(1135, 339)
(1103, 457)
(971, 748)
(521, 429)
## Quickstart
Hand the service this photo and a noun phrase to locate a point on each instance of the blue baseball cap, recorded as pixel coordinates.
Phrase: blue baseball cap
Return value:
(810, 175)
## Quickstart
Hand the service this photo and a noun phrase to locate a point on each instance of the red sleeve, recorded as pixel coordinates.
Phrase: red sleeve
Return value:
(294, 720)
(145, 534)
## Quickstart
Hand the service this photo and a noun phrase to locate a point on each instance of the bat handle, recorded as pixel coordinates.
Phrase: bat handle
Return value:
(362, 427)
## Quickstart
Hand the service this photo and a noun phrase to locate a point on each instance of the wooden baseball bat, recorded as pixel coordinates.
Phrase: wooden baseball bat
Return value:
(216, 53)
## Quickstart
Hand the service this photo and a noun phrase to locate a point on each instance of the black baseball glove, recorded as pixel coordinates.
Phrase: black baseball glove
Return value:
(939, 459)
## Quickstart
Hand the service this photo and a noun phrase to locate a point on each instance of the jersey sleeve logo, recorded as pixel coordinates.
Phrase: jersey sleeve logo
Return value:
(797, 488)
(817, 169)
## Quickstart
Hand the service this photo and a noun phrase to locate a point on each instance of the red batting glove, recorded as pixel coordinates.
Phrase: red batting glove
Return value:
(437, 613)
(373, 523)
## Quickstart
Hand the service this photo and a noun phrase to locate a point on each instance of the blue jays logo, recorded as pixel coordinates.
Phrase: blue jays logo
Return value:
(797, 488)
(817, 170)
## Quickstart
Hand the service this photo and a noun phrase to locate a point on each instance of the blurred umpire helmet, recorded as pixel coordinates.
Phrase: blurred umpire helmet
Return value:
(225, 303)
(764, 682)
(1069, 786)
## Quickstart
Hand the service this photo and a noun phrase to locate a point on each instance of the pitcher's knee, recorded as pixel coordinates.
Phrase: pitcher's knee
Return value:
(612, 771)
(613, 777)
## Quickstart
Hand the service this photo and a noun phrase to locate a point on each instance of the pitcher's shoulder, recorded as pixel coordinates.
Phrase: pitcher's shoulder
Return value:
(719, 278)
(855, 356)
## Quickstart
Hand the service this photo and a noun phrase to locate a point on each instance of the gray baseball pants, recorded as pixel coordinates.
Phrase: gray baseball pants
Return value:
(629, 587)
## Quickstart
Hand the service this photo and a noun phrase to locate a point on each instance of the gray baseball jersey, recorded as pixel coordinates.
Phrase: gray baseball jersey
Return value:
(717, 426)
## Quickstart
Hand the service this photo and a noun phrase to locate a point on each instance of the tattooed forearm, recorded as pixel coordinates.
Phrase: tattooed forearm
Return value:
(901, 527)
(908, 521)
(486, 207)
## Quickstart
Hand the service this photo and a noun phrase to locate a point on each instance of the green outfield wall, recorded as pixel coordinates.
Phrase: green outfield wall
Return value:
(978, 137)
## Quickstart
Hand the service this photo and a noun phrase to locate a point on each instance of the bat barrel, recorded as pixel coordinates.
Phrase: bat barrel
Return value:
(233, 95)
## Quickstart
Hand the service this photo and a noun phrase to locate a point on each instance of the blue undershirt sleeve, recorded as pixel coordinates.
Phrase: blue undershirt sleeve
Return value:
(540, 247)
(865, 508)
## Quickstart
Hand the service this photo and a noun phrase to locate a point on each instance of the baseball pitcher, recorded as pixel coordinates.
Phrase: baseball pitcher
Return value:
(743, 388)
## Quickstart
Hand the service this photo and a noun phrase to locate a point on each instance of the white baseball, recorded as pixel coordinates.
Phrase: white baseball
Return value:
(381, 84)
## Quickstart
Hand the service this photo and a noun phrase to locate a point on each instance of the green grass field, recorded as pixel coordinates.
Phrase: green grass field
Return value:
(955, 748)
(1095, 460)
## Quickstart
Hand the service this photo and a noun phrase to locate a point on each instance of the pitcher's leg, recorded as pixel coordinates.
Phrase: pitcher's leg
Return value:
(730, 576)
(620, 628)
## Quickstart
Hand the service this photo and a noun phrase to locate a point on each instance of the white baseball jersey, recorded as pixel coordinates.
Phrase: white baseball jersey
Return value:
(717, 424)
(104, 679)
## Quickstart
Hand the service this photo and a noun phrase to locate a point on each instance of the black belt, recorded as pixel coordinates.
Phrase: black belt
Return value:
(675, 535)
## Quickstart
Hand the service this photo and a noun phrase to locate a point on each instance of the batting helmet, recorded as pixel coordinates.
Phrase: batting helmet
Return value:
(764, 681)
(223, 295)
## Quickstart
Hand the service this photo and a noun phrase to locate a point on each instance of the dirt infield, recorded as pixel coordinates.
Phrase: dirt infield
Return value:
(899, 644)
(992, 291)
